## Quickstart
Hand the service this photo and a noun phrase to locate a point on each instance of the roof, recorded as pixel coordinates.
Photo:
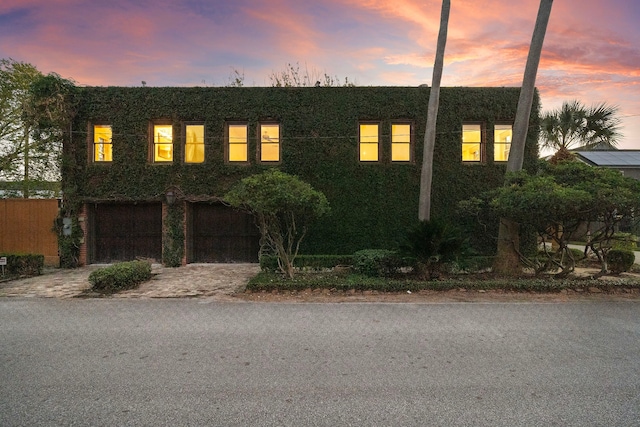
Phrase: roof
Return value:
(611, 158)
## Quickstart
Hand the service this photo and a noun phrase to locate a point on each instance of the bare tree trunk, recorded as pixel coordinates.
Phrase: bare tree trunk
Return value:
(507, 258)
(426, 177)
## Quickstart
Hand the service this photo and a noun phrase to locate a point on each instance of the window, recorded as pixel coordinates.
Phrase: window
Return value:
(162, 143)
(269, 142)
(472, 147)
(102, 143)
(237, 146)
(401, 142)
(502, 135)
(369, 150)
(194, 144)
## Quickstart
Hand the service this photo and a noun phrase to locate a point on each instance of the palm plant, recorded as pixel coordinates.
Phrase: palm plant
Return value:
(576, 126)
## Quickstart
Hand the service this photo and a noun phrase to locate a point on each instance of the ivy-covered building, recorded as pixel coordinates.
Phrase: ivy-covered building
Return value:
(145, 169)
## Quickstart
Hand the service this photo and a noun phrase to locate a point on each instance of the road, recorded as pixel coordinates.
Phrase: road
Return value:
(194, 362)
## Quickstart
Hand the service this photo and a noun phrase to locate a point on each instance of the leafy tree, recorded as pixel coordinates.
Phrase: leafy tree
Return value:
(576, 126)
(282, 205)
(34, 114)
(426, 176)
(562, 199)
(506, 261)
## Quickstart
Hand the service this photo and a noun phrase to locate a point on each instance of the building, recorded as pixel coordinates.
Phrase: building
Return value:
(626, 161)
(146, 169)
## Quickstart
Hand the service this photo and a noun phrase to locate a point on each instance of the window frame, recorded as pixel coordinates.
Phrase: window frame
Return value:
(227, 143)
(92, 143)
(411, 141)
(260, 143)
(482, 142)
(152, 142)
(495, 143)
(185, 125)
(360, 142)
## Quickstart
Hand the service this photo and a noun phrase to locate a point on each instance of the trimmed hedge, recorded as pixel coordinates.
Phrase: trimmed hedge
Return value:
(620, 261)
(307, 262)
(269, 282)
(120, 276)
(23, 264)
(377, 262)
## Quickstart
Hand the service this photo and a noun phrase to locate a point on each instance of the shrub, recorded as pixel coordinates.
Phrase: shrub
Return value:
(23, 264)
(620, 260)
(432, 244)
(377, 262)
(312, 262)
(624, 241)
(120, 276)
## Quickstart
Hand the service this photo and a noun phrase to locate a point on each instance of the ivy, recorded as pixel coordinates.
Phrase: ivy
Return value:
(373, 205)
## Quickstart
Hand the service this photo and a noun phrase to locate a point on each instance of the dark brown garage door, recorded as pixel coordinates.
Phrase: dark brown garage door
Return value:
(223, 234)
(124, 232)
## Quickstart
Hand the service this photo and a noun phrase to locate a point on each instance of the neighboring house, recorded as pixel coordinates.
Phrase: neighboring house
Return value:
(146, 169)
(626, 161)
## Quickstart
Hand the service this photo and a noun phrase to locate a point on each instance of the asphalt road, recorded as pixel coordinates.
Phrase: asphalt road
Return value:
(201, 363)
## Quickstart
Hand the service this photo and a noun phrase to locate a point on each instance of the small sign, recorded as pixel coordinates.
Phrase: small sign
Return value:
(3, 260)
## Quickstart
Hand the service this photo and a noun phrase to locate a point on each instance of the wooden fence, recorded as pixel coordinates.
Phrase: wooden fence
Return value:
(26, 226)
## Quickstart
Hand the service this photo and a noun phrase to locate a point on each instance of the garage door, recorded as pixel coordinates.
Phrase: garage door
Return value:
(222, 234)
(124, 232)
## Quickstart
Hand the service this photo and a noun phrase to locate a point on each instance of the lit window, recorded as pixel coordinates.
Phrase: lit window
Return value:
(102, 143)
(162, 143)
(369, 142)
(269, 142)
(401, 142)
(502, 135)
(472, 143)
(194, 144)
(237, 143)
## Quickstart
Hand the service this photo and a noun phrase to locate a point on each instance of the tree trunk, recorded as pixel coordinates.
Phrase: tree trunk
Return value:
(424, 208)
(508, 243)
(25, 181)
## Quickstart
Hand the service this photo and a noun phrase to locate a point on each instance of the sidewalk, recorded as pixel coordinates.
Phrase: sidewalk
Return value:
(220, 281)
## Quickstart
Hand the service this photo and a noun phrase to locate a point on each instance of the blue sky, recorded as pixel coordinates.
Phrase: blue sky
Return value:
(591, 52)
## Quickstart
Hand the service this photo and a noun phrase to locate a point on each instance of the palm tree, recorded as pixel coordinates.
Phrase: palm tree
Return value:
(424, 207)
(574, 126)
(507, 259)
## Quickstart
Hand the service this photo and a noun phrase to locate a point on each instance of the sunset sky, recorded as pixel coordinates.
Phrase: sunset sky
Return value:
(591, 51)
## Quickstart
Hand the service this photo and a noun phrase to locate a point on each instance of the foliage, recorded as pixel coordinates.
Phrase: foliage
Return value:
(291, 76)
(574, 125)
(283, 206)
(377, 262)
(34, 113)
(566, 196)
(120, 276)
(270, 282)
(433, 243)
(624, 241)
(173, 236)
(307, 262)
(23, 264)
(620, 260)
(319, 145)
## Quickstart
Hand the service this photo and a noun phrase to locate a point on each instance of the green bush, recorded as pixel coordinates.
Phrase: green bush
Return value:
(624, 241)
(310, 262)
(620, 261)
(120, 276)
(23, 264)
(377, 262)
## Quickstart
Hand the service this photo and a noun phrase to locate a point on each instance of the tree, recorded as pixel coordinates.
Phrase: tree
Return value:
(34, 115)
(567, 196)
(282, 205)
(576, 126)
(426, 176)
(507, 259)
